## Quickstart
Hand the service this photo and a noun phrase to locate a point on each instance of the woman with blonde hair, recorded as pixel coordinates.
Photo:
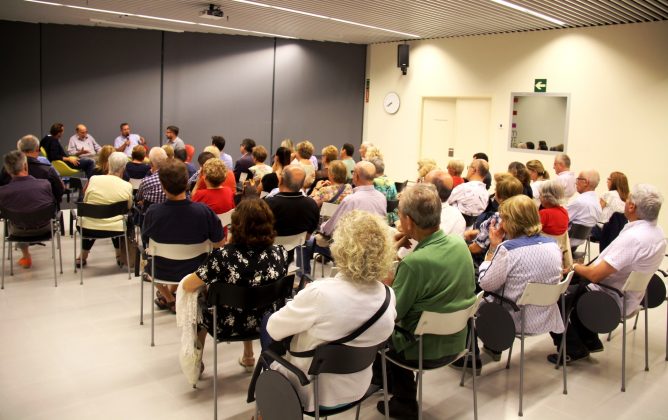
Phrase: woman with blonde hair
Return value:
(335, 189)
(332, 308)
(613, 200)
(538, 175)
(424, 167)
(372, 152)
(304, 155)
(102, 164)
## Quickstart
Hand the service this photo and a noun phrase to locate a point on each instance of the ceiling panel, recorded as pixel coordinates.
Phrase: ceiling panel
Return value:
(367, 22)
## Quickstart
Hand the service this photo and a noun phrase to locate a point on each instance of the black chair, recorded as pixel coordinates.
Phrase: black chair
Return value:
(278, 400)
(392, 205)
(22, 218)
(611, 230)
(580, 232)
(245, 298)
(101, 211)
(74, 185)
(400, 186)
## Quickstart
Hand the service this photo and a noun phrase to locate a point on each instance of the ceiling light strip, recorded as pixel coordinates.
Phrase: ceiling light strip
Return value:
(529, 11)
(245, 30)
(301, 12)
(134, 26)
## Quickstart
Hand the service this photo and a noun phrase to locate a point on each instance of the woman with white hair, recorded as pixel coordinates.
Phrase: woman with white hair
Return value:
(332, 308)
(105, 189)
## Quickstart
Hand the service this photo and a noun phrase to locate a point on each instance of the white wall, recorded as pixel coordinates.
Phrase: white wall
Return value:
(617, 77)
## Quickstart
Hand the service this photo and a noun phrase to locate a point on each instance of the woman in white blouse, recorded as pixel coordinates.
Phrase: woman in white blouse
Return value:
(331, 308)
(613, 200)
(538, 175)
(525, 256)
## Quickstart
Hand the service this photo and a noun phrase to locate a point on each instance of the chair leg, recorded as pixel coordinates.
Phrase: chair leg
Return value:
(521, 359)
(562, 350)
(646, 335)
(127, 255)
(75, 252)
(81, 271)
(60, 251)
(4, 243)
(419, 377)
(141, 301)
(153, 313)
(11, 259)
(53, 252)
(471, 349)
(383, 365)
(215, 363)
(469, 343)
(357, 413)
(635, 324)
(609, 335)
(316, 397)
(510, 353)
(623, 343)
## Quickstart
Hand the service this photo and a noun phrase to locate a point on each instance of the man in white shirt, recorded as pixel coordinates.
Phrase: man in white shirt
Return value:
(471, 197)
(562, 166)
(586, 208)
(127, 141)
(173, 139)
(452, 221)
(640, 246)
(82, 143)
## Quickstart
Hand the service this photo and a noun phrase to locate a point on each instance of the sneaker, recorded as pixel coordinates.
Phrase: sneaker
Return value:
(399, 409)
(25, 262)
(554, 357)
(495, 355)
(459, 365)
(595, 346)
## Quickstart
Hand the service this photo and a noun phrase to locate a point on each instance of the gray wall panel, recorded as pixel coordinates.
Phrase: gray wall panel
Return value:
(101, 77)
(319, 92)
(19, 82)
(218, 84)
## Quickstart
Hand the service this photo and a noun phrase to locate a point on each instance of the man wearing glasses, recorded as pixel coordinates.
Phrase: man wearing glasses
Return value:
(586, 208)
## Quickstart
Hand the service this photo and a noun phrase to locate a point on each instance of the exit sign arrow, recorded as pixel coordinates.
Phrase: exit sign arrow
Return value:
(540, 85)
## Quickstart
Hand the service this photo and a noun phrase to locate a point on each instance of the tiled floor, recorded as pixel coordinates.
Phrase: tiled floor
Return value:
(78, 352)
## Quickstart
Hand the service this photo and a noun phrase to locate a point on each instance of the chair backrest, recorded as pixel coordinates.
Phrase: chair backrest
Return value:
(250, 297)
(76, 183)
(392, 205)
(577, 231)
(102, 211)
(226, 218)
(290, 242)
(341, 359)
(42, 151)
(63, 169)
(328, 209)
(656, 291)
(178, 251)
(28, 218)
(276, 397)
(135, 182)
(637, 282)
(541, 294)
(446, 323)
(611, 230)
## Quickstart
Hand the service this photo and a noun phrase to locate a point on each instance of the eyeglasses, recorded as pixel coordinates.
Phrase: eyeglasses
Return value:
(580, 179)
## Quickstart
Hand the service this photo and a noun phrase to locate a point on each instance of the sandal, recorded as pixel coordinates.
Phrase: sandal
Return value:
(244, 362)
(79, 261)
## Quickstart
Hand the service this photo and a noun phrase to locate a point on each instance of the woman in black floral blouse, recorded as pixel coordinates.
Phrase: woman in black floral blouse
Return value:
(249, 260)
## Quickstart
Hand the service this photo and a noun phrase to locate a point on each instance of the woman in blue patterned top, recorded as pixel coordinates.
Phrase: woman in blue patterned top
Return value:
(386, 186)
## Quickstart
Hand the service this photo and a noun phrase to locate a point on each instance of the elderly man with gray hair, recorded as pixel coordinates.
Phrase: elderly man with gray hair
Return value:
(586, 208)
(562, 167)
(640, 246)
(452, 221)
(150, 190)
(437, 277)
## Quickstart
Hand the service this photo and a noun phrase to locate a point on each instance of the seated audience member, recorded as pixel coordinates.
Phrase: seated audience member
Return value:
(542, 145)
(105, 189)
(181, 155)
(332, 308)
(29, 146)
(347, 151)
(364, 197)
(487, 180)
(554, 218)
(471, 197)
(304, 153)
(614, 200)
(385, 186)
(25, 194)
(363, 149)
(54, 151)
(424, 167)
(335, 189)
(531, 145)
(293, 212)
(538, 175)
(269, 185)
(522, 146)
(201, 160)
(329, 154)
(249, 259)
(150, 191)
(102, 164)
(173, 139)
(137, 168)
(372, 152)
(585, 209)
(562, 167)
(218, 197)
(517, 255)
(442, 263)
(82, 143)
(259, 169)
(281, 159)
(455, 169)
(640, 246)
(229, 182)
(169, 150)
(287, 144)
(506, 186)
(178, 221)
(219, 142)
(452, 221)
(246, 159)
(519, 171)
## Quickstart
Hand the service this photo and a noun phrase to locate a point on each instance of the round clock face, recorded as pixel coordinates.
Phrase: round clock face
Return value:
(391, 103)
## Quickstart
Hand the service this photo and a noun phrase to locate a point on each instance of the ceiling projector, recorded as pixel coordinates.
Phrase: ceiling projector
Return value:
(213, 12)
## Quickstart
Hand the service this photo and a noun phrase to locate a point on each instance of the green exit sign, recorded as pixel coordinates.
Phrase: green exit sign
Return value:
(540, 85)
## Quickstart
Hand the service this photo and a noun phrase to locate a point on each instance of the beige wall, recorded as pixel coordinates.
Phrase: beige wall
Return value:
(617, 77)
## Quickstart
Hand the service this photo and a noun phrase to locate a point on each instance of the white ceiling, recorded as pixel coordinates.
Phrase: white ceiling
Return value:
(422, 18)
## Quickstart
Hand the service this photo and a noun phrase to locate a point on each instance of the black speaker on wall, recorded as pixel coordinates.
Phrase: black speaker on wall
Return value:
(402, 57)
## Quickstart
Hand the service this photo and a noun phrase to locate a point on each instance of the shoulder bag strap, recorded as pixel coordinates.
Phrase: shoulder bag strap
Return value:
(338, 194)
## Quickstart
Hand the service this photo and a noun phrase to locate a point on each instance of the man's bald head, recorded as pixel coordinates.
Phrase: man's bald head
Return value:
(364, 173)
(81, 130)
(293, 178)
(442, 181)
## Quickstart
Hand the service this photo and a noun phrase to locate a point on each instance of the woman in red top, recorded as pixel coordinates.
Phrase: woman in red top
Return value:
(553, 216)
(455, 169)
(218, 197)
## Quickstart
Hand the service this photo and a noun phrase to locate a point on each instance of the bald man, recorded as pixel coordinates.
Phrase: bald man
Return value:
(82, 143)
(586, 208)
(452, 221)
(294, 213)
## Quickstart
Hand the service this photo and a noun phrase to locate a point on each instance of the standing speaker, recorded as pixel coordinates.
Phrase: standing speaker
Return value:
(402, 57)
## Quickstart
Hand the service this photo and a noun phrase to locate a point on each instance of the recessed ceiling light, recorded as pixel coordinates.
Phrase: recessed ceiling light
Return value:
(301, 12)
(529, 11)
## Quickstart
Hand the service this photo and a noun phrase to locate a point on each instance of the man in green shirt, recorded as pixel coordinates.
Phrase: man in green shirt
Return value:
(347, 151)
(437, 276)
